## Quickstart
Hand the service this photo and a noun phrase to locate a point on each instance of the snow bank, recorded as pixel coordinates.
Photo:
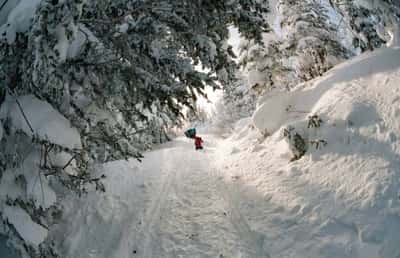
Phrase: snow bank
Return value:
(342, 199)
(103, 224)
(31, 232)
(270, 115)
(46, 122)
(280, 107)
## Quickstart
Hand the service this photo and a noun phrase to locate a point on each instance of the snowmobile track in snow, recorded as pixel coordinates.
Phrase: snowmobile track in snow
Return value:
(154, 213)
(194, 212)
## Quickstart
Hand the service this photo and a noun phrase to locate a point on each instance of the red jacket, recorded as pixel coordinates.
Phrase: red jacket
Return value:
(198, 141)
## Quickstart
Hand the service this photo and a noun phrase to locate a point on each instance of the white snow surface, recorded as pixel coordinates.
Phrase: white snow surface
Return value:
(255, 77)
(281, 107)
(46, 122)
(31, 232)
(241, 197)
(174, 204)
(20, 16)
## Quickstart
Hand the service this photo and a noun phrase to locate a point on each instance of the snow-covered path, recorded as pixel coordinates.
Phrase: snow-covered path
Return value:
(175, 204)
(192, 214)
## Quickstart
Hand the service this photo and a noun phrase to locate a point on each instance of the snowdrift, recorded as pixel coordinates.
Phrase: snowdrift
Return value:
(281, 107)
(338, 200)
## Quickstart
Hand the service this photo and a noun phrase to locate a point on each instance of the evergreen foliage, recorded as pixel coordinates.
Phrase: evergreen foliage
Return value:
(363, 23)
(369, 20)
(238, 101)
(122, 71)
(307, 46)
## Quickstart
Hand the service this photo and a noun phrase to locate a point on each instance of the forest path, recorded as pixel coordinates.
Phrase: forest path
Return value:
(176, 203)
(193, 212)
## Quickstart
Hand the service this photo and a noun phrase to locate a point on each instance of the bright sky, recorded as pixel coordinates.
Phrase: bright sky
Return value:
(214, 96)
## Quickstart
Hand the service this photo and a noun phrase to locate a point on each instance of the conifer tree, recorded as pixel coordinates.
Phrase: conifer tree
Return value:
(363, 22)
(310, 38)
(370, 21)
(131, 60)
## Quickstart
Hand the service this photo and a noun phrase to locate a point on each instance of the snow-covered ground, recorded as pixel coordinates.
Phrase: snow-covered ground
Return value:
(175, 204)
(241, 197)
(343, 199)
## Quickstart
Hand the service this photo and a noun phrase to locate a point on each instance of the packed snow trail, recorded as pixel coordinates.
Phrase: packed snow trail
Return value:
(174, 204)
(192, 215)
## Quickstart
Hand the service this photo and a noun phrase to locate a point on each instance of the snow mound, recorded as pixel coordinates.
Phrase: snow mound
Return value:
(26, 228)
(100, 225)
(281, 107)
(339, 199)
(46, 122)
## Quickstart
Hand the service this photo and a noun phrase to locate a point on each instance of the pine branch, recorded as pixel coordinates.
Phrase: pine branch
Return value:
(21, 109)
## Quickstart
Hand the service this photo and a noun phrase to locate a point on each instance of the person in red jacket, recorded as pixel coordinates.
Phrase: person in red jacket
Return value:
(198, 143)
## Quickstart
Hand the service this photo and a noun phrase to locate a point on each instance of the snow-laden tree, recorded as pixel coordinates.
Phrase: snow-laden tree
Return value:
(310, 38)
(363, 22)
(118, 69)
(238, 101)
(303, 45)
(373, 23)
(264, 65)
